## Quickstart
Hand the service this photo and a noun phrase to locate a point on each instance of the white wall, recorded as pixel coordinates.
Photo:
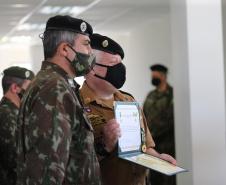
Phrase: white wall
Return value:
(36, 57)
(199, 90)
(144, 47)
(10, 55)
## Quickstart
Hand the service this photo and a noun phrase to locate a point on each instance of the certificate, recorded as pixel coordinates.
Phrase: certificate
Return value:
(129, 145)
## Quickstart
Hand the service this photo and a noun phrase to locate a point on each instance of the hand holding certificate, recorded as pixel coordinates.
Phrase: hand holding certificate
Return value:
(130, 144)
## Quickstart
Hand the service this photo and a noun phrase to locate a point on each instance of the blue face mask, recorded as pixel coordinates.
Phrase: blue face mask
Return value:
(116, 75)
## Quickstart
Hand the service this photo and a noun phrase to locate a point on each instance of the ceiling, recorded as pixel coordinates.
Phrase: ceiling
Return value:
(22, 21)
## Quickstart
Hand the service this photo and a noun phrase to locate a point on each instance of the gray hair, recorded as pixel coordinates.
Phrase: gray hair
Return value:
(98, 55)
(53, 38)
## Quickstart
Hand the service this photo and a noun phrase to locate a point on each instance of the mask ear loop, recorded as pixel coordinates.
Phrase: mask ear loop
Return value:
(72, 50)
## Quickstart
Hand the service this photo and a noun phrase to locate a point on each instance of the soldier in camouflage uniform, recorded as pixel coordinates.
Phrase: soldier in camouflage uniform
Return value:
(158, 110)
(56, 142)
(14, 83)
(98, 93)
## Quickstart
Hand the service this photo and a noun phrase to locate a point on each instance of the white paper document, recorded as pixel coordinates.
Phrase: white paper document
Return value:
(128, 118)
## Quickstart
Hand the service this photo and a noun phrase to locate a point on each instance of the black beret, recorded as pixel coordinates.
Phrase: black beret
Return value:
(159, 67)
(19, 72)
(66, 22)
(106, 44)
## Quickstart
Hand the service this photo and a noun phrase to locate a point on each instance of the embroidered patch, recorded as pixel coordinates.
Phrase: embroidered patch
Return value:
(27, 74)
(83, 27)
(96, 119)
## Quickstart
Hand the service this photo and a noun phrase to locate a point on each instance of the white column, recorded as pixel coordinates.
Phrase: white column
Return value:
(36, 57)
(199, 91)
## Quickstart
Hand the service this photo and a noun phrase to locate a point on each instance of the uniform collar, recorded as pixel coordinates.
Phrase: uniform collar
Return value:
(167, 91)
(7, 101)
(89, 96)
(46, 65)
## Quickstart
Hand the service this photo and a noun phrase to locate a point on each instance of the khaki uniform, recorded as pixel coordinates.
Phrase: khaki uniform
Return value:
(8, 123)
(56, 140)
(115, 171)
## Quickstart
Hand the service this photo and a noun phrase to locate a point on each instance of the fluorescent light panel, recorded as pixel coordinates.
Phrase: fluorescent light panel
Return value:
(20, 39)
(20, 5)
(62, 10)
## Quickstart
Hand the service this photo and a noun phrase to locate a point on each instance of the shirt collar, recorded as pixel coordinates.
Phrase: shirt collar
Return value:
(5, 100)
(46, 65)
(89, 96)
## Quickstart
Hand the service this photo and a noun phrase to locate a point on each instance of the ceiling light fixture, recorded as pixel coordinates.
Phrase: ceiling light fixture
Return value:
(20, 5)
(20, 39)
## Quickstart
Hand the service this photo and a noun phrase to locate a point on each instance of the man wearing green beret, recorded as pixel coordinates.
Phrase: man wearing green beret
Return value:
(98, 93)
(56, 138)
(14, 83)
(158, 110)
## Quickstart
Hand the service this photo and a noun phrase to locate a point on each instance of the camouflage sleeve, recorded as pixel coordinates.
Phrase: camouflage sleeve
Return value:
(48, 134)
(7, 148)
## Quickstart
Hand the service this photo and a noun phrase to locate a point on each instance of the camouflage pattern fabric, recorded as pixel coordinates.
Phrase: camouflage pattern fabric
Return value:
(83, 63)
(56, 140)
(8, 121)
(158, 110)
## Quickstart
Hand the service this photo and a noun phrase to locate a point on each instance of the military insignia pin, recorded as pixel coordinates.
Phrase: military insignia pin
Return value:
(105, 43)
(27, 74)
(144, 148)
(83, 27)
(88, 109)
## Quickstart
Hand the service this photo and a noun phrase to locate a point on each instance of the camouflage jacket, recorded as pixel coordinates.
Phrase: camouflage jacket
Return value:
(56, 140)
(158, 110)
(8, 120)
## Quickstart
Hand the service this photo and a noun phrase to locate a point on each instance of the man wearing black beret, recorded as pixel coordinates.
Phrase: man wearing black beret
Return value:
(14, 83)
(56, 140)
(158, 110)
(98, 93)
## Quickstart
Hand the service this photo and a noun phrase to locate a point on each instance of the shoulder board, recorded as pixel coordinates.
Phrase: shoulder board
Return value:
(123, 92)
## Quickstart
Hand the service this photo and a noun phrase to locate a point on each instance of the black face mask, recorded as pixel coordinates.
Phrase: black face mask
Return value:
(155, 81)
(116, 75)
(21, 93)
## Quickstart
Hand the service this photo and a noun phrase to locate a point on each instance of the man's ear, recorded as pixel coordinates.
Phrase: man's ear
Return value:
(63, 47)
(13, 88)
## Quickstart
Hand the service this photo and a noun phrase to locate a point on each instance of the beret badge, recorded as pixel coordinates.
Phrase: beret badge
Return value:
(83, 27)
(27, 74)
(105, 43)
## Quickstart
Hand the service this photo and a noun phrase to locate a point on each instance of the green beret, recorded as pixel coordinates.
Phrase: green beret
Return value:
(158, 67)
(60, 22)
(19, 72)
(106, 44)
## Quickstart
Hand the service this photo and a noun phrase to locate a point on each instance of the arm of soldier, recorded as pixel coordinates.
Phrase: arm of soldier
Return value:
(165, 157)
(49, 136)
(111, 133)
